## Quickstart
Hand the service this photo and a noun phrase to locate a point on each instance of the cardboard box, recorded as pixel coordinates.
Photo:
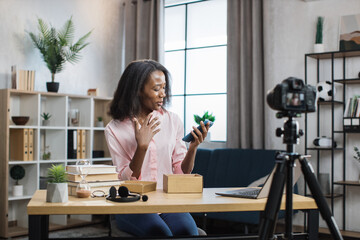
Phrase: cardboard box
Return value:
(183, 183)
(139, 186)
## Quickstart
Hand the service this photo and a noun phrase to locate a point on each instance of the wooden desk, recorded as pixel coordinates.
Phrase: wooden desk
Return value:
(39, 210)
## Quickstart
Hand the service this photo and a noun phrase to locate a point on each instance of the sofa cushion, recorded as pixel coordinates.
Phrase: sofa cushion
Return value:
(238, 167)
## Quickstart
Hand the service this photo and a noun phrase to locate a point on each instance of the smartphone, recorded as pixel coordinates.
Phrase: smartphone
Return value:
(189, 137)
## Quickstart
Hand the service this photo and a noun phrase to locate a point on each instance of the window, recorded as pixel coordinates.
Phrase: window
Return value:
(195, 55)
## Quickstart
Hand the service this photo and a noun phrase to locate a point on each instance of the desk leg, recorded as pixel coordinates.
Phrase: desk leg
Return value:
(38, 227)
(313, 224)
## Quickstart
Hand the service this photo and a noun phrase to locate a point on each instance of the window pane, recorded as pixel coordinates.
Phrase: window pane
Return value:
(174, 62)
(215, 104)
(177, 106)
(207, 23)
(175, 28)
(206, 70)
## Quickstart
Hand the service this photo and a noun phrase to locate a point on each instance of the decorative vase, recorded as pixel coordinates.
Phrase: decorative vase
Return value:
(318, 47)
(52, 86)
(57, 192)
(18, 190)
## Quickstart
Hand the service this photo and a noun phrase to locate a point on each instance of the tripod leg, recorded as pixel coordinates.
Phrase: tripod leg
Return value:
(319, 198)
(267, 224)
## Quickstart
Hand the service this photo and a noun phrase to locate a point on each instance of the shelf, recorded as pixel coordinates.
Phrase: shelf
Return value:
(348, 183)
(330, 102)
(52, 137)
(336, 195)
(328, 149)
(25, 197)
(336, 54)
(348, 81)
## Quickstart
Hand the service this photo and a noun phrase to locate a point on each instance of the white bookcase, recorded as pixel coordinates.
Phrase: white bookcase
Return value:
(52, 138)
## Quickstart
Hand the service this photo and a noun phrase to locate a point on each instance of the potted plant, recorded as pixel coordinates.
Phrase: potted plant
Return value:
(47, 154)
(46, 118)
(56, 48)
(57, 189)
(17, 173)
(205, 116)
(319, 45)
(99, 122)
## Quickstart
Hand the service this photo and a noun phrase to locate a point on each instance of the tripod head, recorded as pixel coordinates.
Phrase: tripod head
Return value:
(290, 132)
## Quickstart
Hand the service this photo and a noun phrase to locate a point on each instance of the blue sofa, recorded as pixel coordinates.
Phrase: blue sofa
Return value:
(234, 168)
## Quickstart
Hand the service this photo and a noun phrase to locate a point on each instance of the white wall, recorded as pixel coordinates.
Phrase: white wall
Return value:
(290, 33)
(99, 66)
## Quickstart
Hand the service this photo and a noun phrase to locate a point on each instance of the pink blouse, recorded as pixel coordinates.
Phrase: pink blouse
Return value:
(164, 155)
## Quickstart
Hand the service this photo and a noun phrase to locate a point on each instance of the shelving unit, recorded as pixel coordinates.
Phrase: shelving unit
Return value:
(14, 220)
(339, 77)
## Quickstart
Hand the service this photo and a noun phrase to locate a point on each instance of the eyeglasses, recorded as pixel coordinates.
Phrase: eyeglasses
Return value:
(98, 193)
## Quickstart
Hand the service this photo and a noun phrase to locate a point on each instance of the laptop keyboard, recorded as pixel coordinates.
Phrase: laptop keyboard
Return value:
(244, 193)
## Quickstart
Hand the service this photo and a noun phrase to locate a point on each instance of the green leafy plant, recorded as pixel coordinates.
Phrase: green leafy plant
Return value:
(319, 30)
(100, 119)
(57, 174)
(46, 116)
(17, 173)
(206, 116)
(56, 46)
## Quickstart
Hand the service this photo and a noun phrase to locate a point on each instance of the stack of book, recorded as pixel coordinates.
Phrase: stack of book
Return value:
(23, 79)
(99, 177)
(352, 108)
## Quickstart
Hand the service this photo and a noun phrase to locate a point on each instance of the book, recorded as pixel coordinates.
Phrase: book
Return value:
(83, 144)
(99, 183)
(347, 106)
(19, 144)
(13, 77)
(72, 144)
(72, 190)
(93, 169)
(31, 144)
(93, 177)
(78, 144)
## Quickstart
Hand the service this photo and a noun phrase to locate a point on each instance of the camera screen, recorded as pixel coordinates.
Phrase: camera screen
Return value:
(294, 99)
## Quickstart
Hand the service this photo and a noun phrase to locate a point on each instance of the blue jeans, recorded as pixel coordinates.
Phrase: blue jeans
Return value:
(165, 224)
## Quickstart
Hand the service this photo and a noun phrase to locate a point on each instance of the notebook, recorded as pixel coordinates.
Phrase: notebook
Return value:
(260, 192)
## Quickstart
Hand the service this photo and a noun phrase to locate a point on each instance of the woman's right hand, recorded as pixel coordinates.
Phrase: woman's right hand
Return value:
(145, 132)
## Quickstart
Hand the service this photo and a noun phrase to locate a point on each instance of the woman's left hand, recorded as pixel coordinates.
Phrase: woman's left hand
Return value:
(199, 137)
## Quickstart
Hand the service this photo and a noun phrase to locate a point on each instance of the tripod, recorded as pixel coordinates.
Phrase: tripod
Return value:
(284, 174)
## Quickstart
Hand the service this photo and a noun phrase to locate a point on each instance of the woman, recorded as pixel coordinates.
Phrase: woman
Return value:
(145, 142)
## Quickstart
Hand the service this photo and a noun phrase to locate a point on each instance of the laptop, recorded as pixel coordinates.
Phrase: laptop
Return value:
(259, 192)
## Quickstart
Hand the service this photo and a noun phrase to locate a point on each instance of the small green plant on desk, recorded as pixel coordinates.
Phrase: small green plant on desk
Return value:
(57, 174)
(57, 189)
(206, 116)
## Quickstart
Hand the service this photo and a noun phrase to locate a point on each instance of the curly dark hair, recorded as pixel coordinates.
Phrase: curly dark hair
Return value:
(126, 102)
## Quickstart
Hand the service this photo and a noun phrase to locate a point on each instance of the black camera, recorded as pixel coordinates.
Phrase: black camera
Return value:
(292, 95)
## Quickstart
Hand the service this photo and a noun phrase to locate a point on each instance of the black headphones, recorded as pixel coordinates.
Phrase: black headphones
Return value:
(124, 195)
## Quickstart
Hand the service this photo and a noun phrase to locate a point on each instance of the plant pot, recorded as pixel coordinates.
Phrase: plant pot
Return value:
(57, 192)
(45, 122)
(52, 86)
(318, 47)
(18, 190)
(99, 124)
